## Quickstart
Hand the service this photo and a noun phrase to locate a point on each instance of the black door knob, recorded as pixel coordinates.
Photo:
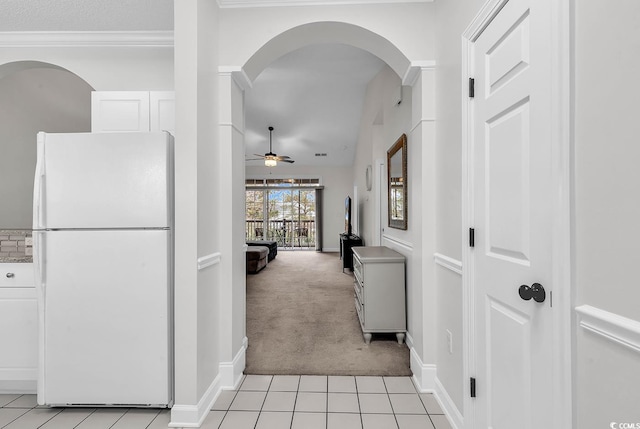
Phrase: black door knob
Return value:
(536, 291)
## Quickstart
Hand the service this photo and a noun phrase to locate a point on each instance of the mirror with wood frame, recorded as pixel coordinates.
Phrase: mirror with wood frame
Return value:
(397, 183)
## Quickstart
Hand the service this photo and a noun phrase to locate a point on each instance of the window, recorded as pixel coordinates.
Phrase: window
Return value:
(282, 210)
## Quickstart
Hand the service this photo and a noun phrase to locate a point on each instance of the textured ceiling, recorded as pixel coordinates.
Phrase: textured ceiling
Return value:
(86, 15)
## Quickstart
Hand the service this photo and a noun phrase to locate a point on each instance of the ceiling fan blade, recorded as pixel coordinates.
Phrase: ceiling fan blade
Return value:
(290, 161)
(284, 156)
(254, 159)
(261, 156)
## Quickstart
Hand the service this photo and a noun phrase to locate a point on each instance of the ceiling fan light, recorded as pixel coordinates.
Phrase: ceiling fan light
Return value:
(270, 162)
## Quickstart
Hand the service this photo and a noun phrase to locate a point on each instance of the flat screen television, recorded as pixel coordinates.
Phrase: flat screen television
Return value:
(347, 215)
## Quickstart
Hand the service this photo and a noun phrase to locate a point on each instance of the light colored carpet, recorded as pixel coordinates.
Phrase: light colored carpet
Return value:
(301, 319)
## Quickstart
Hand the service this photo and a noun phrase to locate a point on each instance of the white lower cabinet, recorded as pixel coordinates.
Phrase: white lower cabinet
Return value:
(19, 333)
(379, 286)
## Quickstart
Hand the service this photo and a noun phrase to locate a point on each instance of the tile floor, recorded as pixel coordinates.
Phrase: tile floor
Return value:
(22, 412)
(310, 402)
(261, 402)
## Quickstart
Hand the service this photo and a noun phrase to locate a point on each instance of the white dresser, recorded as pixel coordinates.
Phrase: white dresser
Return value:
(380, 291)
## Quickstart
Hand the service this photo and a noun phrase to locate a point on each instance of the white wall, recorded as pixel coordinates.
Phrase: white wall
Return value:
(244, 31)
(105, 68)
(337, 182)
(33, 100)
(607, 186)
(452, 17)
(383, 122)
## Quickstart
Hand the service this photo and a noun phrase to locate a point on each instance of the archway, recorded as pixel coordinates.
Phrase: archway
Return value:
(36, 96)
(327, 32)
(233, 81)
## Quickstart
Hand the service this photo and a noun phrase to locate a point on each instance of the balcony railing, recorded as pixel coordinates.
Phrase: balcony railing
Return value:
(288, 233)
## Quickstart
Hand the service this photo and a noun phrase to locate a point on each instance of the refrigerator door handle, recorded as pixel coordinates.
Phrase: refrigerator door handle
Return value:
(39, 277)
(38, 184)
(38, 261)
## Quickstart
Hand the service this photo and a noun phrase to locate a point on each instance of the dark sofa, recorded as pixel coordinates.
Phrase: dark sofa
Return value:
(271, 245)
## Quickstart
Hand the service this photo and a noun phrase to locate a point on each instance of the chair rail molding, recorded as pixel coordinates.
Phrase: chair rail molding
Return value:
(401, 243)
(611, 326)
(448, 263)
(208, 260)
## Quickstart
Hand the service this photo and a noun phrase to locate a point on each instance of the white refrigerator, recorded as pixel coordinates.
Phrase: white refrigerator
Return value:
(103, 240)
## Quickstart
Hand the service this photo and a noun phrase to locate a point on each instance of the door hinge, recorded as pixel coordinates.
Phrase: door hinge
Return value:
(472, 387)
(472, 237)
(472, 87)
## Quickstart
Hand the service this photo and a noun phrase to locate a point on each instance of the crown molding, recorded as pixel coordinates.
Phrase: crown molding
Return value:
(21, 39)
(238, 74)
(414, 69)
(228, 4)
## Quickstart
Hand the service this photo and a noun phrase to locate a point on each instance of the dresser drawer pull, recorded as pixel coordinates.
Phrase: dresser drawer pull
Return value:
(10, 275)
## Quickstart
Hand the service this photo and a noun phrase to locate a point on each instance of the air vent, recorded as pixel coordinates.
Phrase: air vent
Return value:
(321, 154)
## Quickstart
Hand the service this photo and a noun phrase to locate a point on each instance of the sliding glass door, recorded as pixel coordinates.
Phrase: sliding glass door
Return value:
(287, 216)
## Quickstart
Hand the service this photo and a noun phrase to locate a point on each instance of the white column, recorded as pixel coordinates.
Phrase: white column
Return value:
(232, 83)
(196, 323)
(421, 77)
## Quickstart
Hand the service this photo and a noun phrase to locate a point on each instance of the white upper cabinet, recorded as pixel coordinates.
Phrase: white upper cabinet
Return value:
(117, 111)
(163, 112)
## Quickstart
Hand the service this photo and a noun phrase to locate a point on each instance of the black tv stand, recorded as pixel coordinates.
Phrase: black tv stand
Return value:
(347, 241)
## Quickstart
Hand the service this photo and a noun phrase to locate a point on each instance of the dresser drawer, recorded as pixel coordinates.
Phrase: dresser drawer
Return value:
(358, 291)
(357, 269)
(16, 275)
(360, 311)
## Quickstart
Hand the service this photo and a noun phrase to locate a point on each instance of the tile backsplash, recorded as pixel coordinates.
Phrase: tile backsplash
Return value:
(15, 244)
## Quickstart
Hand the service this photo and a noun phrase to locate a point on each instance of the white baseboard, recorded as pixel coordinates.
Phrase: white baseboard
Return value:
(18, 386)
(408, 340)
(192, 416)
(330, 249)
(426, 381)
(229, 377)
(231, 372)
(448, 406)
(424, 375)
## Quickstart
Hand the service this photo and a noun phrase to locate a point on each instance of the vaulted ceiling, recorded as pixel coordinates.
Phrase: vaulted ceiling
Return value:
(313, 98)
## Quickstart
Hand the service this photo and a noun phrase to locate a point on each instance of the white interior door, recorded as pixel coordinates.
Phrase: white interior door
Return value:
(512, 218)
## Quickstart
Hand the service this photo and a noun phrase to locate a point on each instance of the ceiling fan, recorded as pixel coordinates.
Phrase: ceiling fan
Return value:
(270, 158)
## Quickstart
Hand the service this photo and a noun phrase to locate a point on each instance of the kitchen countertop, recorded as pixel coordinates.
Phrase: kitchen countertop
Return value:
(14, 259)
